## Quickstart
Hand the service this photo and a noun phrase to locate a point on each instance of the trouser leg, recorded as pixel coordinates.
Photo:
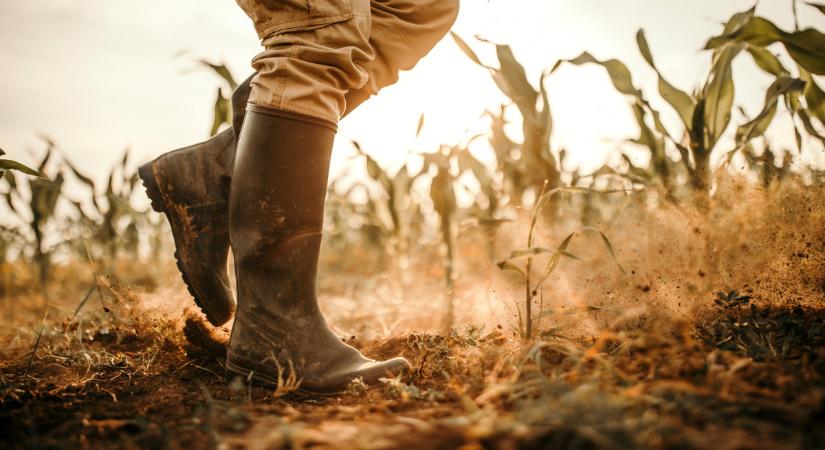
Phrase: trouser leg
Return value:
(315, 51)
(401, 33)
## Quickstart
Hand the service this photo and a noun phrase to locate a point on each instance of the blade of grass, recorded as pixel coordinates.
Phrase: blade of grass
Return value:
(36, 344)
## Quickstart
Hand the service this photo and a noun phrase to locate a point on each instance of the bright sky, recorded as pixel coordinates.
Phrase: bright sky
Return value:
(101, 75)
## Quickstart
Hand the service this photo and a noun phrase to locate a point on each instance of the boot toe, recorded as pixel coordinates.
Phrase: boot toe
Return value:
(370, 372)
(373, 371)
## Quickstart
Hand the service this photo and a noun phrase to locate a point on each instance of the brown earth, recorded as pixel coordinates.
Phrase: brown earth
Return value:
(646, 358)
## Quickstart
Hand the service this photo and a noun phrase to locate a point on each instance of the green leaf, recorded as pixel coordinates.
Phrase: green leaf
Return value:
(814, 96)
(222, 71)
(738, 20)
(678, 99)
(619, 74)
(767, 61)
(660, 163)
(719, 95)
(809, 126)
(7, 164)
(806, 47)
(222, 112)
(757, 127)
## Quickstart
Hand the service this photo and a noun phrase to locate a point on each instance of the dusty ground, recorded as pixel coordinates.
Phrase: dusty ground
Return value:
(744, 378)
(647, 359)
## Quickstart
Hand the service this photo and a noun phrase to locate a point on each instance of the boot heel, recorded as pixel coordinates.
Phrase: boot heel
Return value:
(249, 377)
(147, 176)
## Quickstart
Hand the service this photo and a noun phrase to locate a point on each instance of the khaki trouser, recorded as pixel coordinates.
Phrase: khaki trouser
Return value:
(324, 57)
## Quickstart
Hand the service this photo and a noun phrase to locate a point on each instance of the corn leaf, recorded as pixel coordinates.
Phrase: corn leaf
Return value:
(554, 260)
(462, 45)
(610, 250)
(519, 88)
(619, 74)
(222, 112)
(806, 47)
(814, 96)
(767, 61)
(757, 127)
(678, 99)
(719, 94)
(80, 176)
(809, 126)
(7, 164)
(818, 6)
(222, 71)
(507, 265)
(545, 117)
(528, 253)
(738, 20)
(647, 137)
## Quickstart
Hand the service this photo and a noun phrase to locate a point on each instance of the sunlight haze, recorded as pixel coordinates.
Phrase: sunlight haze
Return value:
(99, 76)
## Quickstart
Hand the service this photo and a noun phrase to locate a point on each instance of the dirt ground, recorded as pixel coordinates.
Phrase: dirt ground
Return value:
(146, 381)
(651, 358)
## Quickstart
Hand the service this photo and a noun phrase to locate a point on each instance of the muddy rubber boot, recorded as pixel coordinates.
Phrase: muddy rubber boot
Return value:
(191, 187)
(276, 219)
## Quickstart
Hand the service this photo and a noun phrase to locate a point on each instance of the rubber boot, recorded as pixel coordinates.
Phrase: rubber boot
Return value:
(191, 187)
(276, 221)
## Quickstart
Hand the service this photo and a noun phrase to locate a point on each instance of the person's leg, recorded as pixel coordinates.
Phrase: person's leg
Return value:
(403, 32)
(277, 193)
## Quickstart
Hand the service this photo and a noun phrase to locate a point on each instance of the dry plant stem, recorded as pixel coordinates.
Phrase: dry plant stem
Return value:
(36, 343)
(528, 294)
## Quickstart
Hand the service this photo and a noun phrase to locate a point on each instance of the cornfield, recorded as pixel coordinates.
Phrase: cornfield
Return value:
(672, 304)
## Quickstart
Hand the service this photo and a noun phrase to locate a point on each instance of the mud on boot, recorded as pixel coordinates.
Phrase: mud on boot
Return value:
(191, 187)
(276, 220)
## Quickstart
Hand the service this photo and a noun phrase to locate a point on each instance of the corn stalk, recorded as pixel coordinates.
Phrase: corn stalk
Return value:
(44, 193)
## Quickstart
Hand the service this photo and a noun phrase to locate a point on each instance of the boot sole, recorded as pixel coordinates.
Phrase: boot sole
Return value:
(146, 173)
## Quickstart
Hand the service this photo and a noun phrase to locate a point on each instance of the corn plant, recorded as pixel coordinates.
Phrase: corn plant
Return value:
(706, 114)
(443, 196)
(44, 193)
(222, 113)
(114, 223)
(553, 257)
(805, 99)
(390, 211)
(536, 162)
(10, 237)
